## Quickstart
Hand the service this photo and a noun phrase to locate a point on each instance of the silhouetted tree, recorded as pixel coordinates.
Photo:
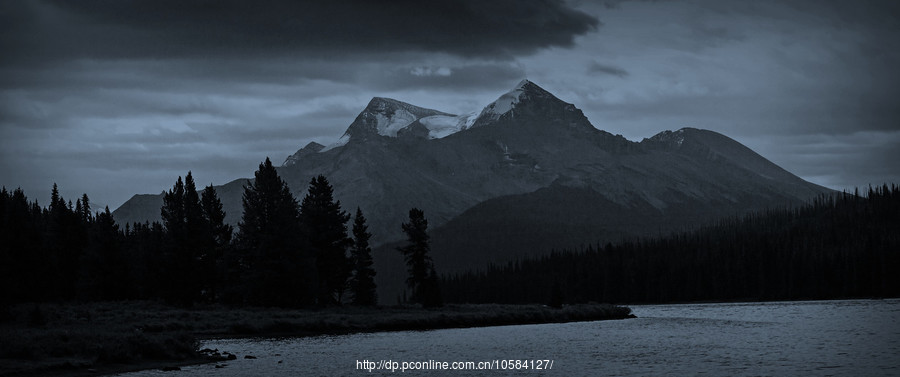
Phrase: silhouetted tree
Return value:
(85, 214)
(148, 268)
(172, 211)
(362, 283)
(275, 265)
(216, 240)
(183, 218)
(105, 272)
(65, 238)
(418, 261)
(325, 225)
(20, 247)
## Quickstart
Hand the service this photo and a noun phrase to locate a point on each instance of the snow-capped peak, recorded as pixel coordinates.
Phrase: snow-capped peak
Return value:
(386, 117)
(391, 115)
(505, 103)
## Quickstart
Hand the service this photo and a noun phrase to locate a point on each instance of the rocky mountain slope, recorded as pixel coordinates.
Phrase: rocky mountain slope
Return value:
(527, 173)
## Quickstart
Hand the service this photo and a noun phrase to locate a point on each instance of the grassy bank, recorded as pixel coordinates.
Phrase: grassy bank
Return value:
(105, 337)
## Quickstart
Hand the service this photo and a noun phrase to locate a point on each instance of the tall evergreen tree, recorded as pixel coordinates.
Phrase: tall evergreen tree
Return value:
(105, 273)
(195, 245)
(362, 282)
(64, 243)
(275, 267)
(215, 216)
(194, 221)
(78, 210)
(326, 227)
(217, 238)
(56, 202)
(20, 248)
(148, 267)
(422, 279)
(85, 214)
(173, 262)
(172, 211)
(183, 218)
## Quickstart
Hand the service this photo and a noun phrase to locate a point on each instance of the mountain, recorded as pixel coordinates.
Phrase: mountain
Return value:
(527, 173)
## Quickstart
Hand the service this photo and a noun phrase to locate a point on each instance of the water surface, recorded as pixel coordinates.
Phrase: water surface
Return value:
(852, 338)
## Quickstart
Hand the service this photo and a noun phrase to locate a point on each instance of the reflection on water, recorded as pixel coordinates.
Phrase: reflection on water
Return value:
(853, 337)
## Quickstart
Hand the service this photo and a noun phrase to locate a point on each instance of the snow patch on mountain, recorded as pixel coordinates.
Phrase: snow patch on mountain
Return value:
(440, 126)
(675, 138)
(505, 103)
(387, 117)
(389, 125)
(339, 143)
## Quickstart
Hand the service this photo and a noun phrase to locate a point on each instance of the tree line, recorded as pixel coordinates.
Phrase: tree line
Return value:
(838, 246)
(283, 253)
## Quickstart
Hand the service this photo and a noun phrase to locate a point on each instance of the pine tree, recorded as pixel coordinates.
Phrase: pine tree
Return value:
(105, 273)
(172, 211)
(78, 210)
(215, 216)
(85, 214)
(422, 277)
(274, 265)
(362, 283)
(64, 241)
(56, 202)
(325, 225)
(194, 221)
(194, 246)
(21, 248)
(174, 269)
(217, 238)
(183, 218)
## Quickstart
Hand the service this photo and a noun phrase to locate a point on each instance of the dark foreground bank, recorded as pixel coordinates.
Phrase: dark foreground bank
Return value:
(97, 338)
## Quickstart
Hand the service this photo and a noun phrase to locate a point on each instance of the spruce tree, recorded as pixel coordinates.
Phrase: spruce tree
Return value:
(215, 216)
(274, 265)
(105, 273)
(21, 248)
(422, 279)
(64, 243)
(173, 268)
(217, 238)
(325, 225)
(172, 211)
(78, 210)
(183, 218)
(85, 214)
(194, 246)
(362, 283)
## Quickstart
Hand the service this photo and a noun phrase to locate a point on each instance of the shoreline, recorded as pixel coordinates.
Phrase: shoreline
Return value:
(73, 339)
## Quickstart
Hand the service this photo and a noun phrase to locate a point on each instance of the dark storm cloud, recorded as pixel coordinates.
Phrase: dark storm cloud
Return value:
(138, 92)
(597, 68)
(102, 29)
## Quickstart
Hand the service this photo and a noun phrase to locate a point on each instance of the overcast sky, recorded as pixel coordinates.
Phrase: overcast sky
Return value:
(114, 98)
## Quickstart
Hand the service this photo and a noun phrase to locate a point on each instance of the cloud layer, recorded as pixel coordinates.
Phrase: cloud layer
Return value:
(114, 98)
(101, 29)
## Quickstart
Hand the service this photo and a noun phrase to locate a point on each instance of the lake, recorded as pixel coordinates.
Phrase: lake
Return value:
(849, 337)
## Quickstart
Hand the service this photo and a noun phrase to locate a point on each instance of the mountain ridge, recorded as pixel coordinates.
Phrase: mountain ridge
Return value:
(526, 148)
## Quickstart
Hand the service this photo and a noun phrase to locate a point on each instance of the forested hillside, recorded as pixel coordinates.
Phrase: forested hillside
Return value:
(845, 245)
